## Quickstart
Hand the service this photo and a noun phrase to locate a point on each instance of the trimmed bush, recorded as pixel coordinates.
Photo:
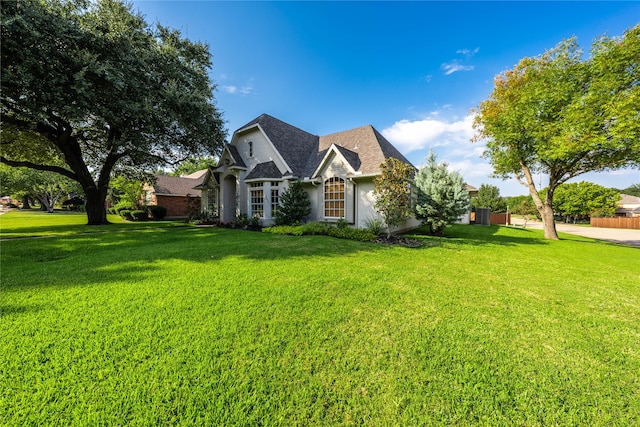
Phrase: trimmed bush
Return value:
(360, 234)
(316, 228)
(293, 230)
(324, 229)
(157, 212)
(139, 215)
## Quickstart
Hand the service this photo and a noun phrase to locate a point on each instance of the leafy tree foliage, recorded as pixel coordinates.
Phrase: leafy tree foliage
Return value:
(126, 192)
(442, 196)
(562, 116)
(632, 190)
(194, 164)
(489, 197)
(47, 187)
(92, 83)
(581, 200)
(392, 190)
(294, 205)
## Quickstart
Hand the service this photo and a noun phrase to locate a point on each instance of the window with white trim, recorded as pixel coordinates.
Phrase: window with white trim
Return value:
(256, 195)
(212, 201)
(275, 198)
(334, 198)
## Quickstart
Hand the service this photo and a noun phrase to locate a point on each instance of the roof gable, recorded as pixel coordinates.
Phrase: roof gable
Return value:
(292, 143)
(371, 147)
(348, 157)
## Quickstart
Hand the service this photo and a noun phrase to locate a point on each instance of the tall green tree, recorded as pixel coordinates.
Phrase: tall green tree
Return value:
(489, 197)
(392, 191)
(194, 164)
(581, 200)
(560, 115)
(442, 196)
(94, 84)
(294, 205)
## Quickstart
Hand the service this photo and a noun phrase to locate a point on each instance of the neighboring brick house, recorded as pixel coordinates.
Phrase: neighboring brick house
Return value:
(175, 193)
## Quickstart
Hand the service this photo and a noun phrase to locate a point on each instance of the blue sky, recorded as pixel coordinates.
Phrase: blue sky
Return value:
(413, 70)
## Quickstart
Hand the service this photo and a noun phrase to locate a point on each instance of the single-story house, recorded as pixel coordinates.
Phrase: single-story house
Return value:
(175, 193)
(336, 170)
(629, 206)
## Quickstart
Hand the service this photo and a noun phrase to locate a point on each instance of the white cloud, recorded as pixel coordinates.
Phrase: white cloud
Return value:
(468, 52)
(230, 89)
(454, 66)
(235, 90)
(416, 135)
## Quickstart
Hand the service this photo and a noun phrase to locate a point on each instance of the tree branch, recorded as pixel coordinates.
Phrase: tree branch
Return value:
(47, 168)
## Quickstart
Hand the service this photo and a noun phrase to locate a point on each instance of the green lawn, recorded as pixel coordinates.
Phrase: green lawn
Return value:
(208, 326)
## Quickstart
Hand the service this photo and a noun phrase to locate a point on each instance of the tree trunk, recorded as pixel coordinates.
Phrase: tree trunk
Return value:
(25, 202)
(548, 222)
(95, 206)
(544, 208)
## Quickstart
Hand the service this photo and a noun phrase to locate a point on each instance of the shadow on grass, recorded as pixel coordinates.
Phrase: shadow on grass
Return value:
(127, 256)
(476, 235)
(88, 259)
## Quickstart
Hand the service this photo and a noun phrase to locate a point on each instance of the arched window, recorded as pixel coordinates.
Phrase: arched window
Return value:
(334, 198)
(250, 148)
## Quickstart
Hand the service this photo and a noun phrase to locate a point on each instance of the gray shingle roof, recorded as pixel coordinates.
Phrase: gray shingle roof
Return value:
(267, 170)
(364, 147)
(236, 155)
(368, 143)
(175, 185)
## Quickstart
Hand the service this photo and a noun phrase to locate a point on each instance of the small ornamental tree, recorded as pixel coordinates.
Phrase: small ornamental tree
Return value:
(524, 206)
(294, 205)
(392, 190)
(442, 197)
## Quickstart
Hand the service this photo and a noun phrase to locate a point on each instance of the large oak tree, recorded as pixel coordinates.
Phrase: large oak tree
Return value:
(561, 115)
(92, 83)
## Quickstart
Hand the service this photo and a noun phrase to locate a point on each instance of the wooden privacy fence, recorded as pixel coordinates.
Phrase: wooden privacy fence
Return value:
(617, 222)
(499, 218)
(494, 218)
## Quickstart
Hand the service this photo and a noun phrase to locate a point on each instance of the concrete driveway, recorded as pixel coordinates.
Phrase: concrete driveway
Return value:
(624, 236)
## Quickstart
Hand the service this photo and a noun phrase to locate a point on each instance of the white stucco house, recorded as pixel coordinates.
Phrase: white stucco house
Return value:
(266, 154)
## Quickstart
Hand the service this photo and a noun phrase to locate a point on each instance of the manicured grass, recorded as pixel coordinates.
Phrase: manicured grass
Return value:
(35, 223)
(208, 326)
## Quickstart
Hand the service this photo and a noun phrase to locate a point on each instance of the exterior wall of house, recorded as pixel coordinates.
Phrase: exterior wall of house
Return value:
(365, 208)
(262, 149)
(178, 206)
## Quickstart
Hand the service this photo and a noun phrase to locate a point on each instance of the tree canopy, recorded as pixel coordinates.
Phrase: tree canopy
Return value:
(582, 200)
(489, 197)
(561, 115)
(93, 84)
